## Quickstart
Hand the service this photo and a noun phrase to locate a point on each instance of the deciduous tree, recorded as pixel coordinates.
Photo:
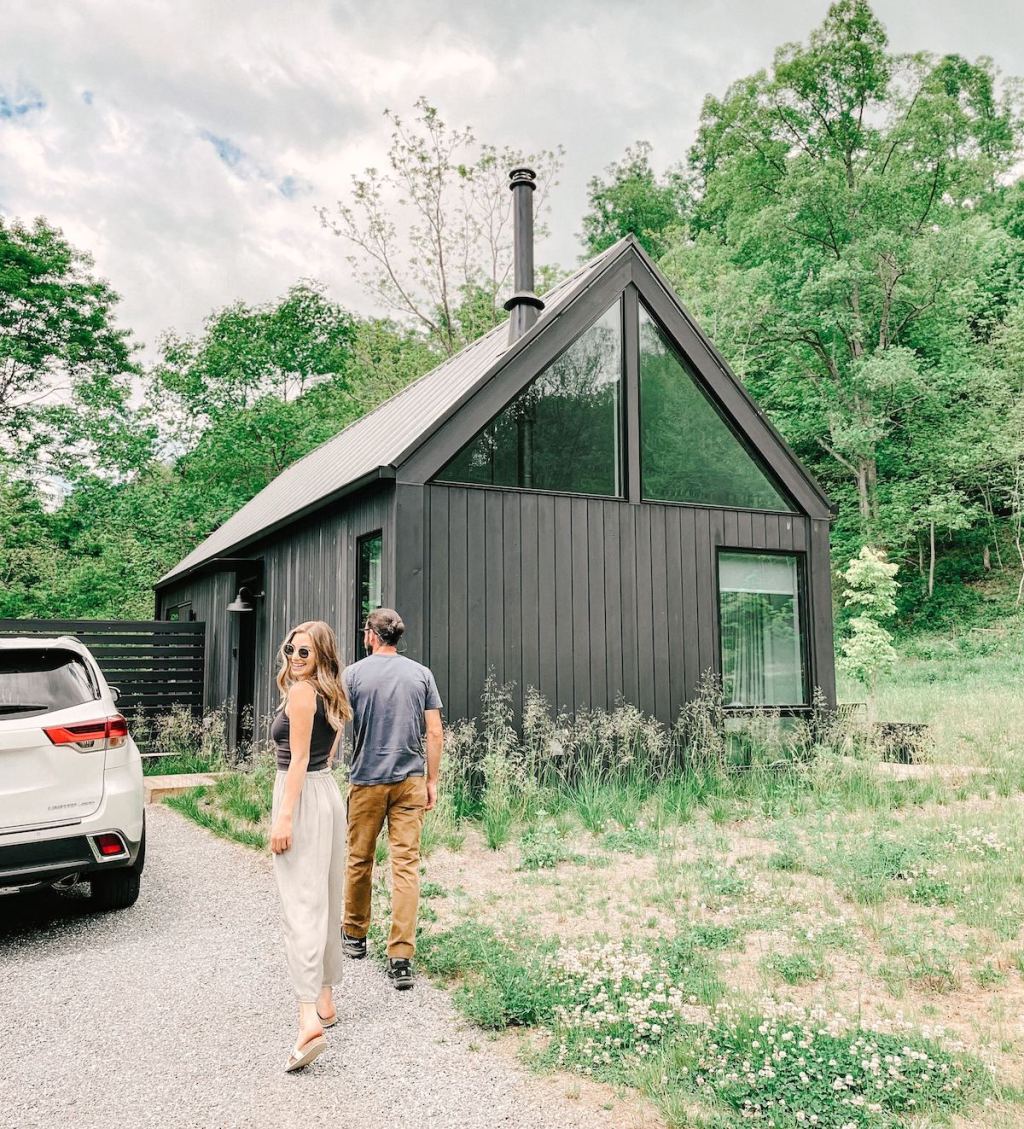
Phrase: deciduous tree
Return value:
(431, 235)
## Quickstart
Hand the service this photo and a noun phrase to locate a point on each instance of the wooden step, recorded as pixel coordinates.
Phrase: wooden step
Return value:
(160, 787)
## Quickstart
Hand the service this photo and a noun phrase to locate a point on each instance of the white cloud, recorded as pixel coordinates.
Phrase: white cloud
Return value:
(185, 144)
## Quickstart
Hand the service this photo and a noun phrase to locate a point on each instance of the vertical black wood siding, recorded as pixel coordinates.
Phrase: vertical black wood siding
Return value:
(308, 573)
(590, 600)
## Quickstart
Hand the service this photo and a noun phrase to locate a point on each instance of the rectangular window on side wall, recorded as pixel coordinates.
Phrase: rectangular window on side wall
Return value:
(760, 620)
(369, 581)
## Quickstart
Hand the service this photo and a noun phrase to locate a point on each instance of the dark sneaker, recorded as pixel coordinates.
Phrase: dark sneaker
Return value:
(355, 947)
(400, 973)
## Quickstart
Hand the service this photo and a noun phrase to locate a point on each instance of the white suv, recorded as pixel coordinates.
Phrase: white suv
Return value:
(71, 791)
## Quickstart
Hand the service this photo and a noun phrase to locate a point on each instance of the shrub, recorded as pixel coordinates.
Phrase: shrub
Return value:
(542, 848)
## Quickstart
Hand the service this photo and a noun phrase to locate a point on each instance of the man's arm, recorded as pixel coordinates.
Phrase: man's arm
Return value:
(435, 742)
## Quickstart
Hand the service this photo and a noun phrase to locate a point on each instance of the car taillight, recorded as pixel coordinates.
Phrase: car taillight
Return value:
(117, 731)
(85, 735)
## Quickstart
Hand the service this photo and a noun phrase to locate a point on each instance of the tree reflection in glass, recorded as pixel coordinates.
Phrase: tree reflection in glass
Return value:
(689, 452)
(562, 432)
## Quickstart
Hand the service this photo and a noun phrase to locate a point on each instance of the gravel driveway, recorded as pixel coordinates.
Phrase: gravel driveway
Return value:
(177, 1013)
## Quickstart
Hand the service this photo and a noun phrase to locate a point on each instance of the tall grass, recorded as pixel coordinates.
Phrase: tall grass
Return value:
(181, 741)
(613, 767)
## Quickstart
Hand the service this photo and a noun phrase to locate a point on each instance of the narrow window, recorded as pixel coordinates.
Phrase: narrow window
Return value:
(688, 451)
(762, 644)
(564, 431)
(369, 591)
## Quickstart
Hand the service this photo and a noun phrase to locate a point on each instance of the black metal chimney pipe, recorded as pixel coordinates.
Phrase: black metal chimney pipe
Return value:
(524, 306)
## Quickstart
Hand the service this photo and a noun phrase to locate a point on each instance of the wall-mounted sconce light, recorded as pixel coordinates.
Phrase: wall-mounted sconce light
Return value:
(244, 601)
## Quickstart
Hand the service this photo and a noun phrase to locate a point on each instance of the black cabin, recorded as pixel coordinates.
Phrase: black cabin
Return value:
(585, 500)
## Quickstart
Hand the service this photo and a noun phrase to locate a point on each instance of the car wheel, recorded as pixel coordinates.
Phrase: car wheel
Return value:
(117, 889)
(140, 858)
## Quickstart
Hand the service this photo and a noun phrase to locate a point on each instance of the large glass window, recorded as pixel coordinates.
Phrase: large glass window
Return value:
(762, 647)
(689, 453)
(564, 431)
(369, 583)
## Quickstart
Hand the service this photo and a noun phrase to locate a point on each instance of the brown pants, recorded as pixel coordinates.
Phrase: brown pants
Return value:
(403, 806)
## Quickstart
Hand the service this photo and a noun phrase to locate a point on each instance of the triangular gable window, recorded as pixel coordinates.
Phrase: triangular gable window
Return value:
(563, 432)
(689, 453)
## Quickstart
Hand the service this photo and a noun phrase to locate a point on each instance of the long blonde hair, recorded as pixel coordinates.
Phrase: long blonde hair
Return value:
(326, 677)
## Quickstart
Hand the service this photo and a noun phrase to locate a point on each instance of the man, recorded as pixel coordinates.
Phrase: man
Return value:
(394, 704)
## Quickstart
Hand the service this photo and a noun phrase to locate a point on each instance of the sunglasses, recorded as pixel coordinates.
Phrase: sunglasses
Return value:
(289, 650)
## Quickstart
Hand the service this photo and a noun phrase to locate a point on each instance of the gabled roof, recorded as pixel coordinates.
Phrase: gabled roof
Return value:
(375, 445)
(375, 442)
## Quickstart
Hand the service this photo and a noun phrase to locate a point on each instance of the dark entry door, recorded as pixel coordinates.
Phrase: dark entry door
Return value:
(245, 664)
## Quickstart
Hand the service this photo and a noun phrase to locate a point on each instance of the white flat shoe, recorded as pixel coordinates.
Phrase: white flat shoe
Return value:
(325, 1022)
(303, 1056)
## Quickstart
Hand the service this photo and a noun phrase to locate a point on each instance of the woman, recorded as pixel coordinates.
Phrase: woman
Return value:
(307, 833)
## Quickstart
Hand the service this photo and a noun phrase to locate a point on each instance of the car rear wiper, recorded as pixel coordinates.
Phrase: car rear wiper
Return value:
(17, 707)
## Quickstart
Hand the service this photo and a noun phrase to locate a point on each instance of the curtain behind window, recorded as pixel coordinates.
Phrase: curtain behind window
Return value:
(762, 650)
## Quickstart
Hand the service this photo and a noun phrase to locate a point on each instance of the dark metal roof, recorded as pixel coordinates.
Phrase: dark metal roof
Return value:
(373, 444)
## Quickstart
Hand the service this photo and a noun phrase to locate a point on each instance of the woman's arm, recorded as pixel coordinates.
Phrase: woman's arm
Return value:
(334, 750)
(300, 708)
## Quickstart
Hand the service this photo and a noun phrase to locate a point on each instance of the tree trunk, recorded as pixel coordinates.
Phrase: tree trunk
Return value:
(920, 557)
(866, 474)
(863, 500)
(931, 559)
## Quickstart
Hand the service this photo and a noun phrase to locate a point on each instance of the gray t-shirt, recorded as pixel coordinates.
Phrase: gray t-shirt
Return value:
(388, 694)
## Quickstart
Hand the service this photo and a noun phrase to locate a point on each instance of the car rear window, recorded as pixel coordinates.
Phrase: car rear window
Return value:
(36, 679)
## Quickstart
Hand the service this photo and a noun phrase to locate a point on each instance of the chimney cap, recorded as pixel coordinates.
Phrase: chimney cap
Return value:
(522, 176)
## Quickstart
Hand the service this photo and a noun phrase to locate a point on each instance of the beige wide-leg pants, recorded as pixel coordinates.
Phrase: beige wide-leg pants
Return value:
(310, 878)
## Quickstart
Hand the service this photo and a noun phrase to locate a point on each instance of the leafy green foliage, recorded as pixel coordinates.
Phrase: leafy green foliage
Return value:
(542, 848)
(855, 252)
(229, 410)
(631, 200)
(870, 591)
(501, 985)
(64, 364)
(829, 1073)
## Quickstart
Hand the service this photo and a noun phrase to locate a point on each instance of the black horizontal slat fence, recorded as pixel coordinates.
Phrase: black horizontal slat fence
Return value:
(153, 663)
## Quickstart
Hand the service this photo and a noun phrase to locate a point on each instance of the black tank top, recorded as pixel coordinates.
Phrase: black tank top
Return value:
(320, 740)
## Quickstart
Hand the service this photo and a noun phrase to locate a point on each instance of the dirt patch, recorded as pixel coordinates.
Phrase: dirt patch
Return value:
(602, 894)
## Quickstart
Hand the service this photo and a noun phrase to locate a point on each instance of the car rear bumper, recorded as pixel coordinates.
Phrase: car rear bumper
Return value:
(51, 853)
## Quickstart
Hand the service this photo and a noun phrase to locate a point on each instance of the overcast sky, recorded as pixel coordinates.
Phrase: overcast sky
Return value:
(186, 144)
